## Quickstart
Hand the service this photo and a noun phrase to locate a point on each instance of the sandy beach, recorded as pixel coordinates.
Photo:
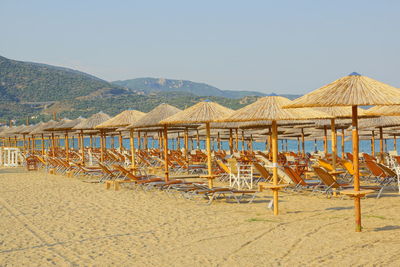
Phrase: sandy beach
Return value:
(54, 220)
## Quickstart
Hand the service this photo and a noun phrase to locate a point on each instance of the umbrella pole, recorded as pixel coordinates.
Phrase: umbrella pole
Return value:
(275, 164)
(139, 141)
(342, 140)
(53, 144)
(112, 139)
(251, 143)
(66, 147)
(178, 142)
(325, 141)
(298, 145)
(315, 145)
(242, 141)
(218, 142)
(23, 136)
(121, 145)
(333, 142)
(209, 167)
(237, 140)
(43, 145)
(132, 144)
(101, 147)
(165, 135)
(303, 148)
(373, 144)
(91, 141)
(395, 143)
(230, 142)
(286, 145)
(380, 145)
(82, 148)
(186, 143)
(357, 204)
(198, 140)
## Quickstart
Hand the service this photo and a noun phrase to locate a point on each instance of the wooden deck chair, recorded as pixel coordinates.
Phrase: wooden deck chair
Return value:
(299, 182)
(325, 164)
(332, 184)
(263, 171)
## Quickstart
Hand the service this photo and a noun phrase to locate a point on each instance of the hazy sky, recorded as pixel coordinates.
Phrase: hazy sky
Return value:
(280, 46)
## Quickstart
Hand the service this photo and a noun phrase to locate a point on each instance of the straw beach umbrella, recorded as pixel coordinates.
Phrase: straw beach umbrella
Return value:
(90, 124)
(152, 120)
(202, 112)
(337, 113)
(68, 126)
(353, 90)
(270, 108)
(123, 119)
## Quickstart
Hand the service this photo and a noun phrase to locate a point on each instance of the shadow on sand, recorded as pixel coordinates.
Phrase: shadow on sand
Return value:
(387, 228)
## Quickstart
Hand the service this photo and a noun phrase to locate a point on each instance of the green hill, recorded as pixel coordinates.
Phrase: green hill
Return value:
(26, 81)
(37, 90)
(154, 85)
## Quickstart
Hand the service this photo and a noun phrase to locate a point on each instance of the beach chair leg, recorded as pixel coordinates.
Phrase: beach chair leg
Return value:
(116, 185)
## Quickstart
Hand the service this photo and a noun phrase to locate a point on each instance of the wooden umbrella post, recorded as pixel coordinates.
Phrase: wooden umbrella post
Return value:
(121, 144)
(303, 148)
(381, 152)
(218, 142)
(237, 140)
(165, 135)
(82, 148)
(197, 139)
(242, 141)
(209, 162)
(66, 147)
(334, 146)
(91, 141)
(53, 144)
(373, 144)
(43, 145)
(139, 141)
(133, 156)
(186, 143)
(325, 141)
(275, 164)
(298, 146)
(357, 204)
(230, 142)
(101, 147)
(24, 137)
(342, 141)
(395, 142)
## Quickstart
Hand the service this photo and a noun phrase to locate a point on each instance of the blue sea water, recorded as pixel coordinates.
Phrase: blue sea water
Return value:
(310, 146)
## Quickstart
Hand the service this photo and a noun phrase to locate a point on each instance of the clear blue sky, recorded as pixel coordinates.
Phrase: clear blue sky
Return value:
(280, 46)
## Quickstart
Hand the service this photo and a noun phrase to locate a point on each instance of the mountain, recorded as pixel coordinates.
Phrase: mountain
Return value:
(33, 82)
(37, 90)
(154, 85)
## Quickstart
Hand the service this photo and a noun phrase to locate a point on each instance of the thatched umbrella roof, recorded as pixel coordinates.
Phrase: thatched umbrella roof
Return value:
(351, 90)
(17, 129)
(202, 112)
(52, 127)
(41, 129)
(384, 121)
(384, 111)
(153, 118)
(30, 128)
(91, 122)
(123, 119)
(67, 125)
(270, 108)
(341, 112)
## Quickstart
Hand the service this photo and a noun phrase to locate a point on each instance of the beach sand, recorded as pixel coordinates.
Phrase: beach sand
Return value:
(54, 220)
